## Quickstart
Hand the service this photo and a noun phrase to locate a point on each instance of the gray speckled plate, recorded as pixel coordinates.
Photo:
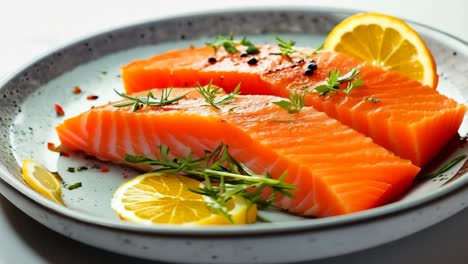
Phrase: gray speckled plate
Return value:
(27, 123)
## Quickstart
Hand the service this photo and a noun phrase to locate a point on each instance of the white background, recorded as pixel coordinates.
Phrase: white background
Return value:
(30, 28)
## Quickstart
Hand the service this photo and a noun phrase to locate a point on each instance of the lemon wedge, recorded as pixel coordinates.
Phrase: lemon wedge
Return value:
(42, 180)
(385, 41)
(160, 198)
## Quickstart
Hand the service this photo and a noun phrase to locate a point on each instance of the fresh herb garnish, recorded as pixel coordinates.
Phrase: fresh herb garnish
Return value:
(71, 169)
(229, 44)
(251, 48)
(221, 41)
(74, 186)
(334, 80)
(82, 168)
(210, 95)
(287, 48)
(149, 100)
(442, 169)
(317, 50)
(224, 177)
(295, 103)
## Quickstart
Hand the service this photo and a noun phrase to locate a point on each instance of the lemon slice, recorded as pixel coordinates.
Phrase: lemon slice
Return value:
(42, 181)
(158, 198)
(387, 42)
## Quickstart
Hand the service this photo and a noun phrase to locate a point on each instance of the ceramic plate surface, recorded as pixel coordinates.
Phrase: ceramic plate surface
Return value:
(28, 118)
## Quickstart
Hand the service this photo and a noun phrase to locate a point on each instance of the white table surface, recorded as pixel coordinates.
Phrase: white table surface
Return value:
(30, 28)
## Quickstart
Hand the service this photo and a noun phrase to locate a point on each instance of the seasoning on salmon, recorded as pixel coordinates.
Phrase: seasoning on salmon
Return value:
(400, 114)
(331, 178)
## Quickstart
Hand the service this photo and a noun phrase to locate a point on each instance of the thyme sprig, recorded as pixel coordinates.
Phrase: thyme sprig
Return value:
(297, 100)
(317, 50)
(211, 95)
(229, 44)
(149, 100)
(287, 48)
(223, 176)
(251, 48)
(74, 186)
(295, 103)
(442, 169)
(334, 81)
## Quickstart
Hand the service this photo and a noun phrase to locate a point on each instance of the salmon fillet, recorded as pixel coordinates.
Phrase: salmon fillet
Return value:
(331, 178)
(409, 119)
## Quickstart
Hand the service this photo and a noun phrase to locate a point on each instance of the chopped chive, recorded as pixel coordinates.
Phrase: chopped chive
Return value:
(74, 186)
(442, 169)
(82, 168)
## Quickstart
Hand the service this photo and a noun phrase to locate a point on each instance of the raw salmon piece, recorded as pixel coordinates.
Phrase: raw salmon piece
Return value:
(410, 119)
(331, 178)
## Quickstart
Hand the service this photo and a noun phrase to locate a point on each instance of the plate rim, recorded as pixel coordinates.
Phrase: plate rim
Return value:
(307, 225)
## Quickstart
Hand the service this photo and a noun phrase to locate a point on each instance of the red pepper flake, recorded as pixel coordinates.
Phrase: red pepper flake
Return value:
(104, 169)
(51, 146)
(125, 176)
(59, 110)
(92, 97)
(76, 90)
(65, 154)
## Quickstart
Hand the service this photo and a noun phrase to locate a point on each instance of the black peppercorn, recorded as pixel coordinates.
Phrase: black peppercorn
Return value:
(309, 72)
(244, 54)
(212, 60)
(312, 65)
(252, 61)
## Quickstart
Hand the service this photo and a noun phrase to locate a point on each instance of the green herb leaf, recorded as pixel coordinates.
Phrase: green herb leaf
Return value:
(229, 44)
(82, 168)
(442, 169)
(317, 50)
(74, 186)
(334, 80)
(295, 103)
(349, 75)
(223, 177)
(286, 47)
(251, 48)
(221, 41)
(149, 100)
(210, 94)
(353, 84)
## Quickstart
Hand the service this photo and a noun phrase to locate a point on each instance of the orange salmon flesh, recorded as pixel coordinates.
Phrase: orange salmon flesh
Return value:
(409, 119)
(331, 178)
